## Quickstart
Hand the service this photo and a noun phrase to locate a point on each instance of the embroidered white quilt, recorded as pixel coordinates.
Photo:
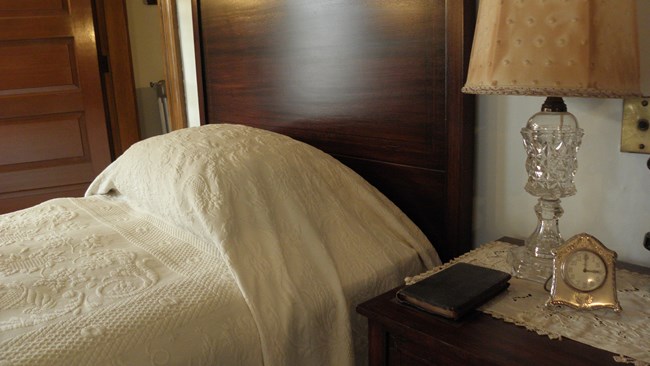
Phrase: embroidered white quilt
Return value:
(91, 281)
(221, 244)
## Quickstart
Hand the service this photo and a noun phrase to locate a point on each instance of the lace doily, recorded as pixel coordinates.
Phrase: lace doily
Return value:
(625, 333)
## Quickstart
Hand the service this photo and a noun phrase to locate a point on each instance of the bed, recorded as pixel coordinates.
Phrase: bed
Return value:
(329, 167)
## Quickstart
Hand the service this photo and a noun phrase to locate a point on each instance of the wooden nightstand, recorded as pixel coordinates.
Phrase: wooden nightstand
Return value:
(400, 335)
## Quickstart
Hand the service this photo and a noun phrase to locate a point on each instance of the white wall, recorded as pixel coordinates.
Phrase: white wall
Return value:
(146, 42)
(613, 199)
(147, 56)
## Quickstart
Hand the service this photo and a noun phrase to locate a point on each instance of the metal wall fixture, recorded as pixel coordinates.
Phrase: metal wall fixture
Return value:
(635, 133)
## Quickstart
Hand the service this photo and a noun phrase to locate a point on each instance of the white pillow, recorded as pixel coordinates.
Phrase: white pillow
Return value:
(214, 178)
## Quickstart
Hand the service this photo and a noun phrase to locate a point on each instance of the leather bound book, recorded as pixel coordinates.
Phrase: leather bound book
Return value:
(455, 290)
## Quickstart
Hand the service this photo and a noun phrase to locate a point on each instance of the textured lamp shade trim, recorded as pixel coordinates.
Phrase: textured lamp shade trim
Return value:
(543, 92)
(584, 48)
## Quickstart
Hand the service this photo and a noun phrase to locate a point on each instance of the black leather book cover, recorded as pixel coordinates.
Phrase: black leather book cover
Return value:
(455, 290)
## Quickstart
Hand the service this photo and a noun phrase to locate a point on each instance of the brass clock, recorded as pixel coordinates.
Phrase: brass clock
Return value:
(584, 275)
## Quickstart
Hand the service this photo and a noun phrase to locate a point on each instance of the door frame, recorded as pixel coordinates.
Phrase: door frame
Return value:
(173, 64)
(116, 69)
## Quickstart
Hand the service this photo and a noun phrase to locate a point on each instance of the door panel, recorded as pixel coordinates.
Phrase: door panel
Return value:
(34, 64)
(53, 138)
(62, 130)
(33, 6)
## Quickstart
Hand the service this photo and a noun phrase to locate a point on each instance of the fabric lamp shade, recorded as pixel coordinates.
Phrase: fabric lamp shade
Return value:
(584, 48)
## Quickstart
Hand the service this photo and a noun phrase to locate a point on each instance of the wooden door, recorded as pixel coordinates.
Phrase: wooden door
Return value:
(53, 138)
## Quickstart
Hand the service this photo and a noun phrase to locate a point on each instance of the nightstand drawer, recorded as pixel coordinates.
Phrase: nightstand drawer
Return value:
(401, 335)
(407, 352)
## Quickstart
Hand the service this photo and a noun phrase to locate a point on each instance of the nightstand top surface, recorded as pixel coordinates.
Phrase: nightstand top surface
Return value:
(477, 336)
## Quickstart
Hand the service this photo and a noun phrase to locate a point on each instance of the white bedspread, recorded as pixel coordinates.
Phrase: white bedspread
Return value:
(265, 224)
(91, 281)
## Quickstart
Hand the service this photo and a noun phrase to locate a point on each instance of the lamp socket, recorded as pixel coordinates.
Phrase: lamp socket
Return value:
(635, 131)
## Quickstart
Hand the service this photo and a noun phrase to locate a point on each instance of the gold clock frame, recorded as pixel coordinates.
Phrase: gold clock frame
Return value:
(564, 294)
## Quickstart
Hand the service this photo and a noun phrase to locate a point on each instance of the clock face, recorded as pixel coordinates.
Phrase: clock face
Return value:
(584, 270)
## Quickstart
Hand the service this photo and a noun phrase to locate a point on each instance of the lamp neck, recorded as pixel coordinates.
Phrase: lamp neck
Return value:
(554, 104)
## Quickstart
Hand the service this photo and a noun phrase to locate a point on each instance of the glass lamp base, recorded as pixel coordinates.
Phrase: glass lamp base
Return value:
(527, 266)
(551, 139)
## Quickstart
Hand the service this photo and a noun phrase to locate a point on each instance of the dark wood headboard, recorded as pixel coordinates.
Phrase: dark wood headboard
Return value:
(375, 83)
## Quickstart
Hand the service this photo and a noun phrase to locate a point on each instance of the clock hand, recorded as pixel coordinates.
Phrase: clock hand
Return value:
(591, 271)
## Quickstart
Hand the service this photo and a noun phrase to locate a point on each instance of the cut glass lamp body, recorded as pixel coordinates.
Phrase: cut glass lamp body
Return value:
(551, 140)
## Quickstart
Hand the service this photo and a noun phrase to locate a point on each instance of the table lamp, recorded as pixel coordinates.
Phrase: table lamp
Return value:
(553, 48)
